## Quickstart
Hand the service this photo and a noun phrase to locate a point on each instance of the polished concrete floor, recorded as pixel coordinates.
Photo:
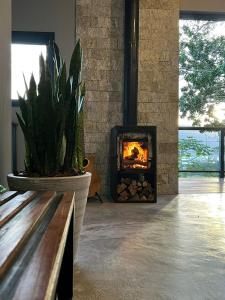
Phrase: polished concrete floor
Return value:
(174, 249)
(199, 185)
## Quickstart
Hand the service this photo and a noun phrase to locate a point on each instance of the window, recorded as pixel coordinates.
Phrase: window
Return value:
(25, 51)
(202, 70)
(202, 94)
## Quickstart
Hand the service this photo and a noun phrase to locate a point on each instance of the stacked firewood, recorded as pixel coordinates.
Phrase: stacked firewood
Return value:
(135, 190)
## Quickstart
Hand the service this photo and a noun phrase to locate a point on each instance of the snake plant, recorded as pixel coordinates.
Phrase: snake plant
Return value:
(52, 117)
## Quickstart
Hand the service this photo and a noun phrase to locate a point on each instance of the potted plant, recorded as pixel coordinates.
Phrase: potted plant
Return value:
(52, 121)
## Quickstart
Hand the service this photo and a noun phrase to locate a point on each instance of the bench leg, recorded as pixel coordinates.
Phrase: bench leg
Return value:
(65, 282)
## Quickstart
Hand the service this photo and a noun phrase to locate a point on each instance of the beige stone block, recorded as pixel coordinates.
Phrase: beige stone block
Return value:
(105, 22)
(171, 158)
(167, 148)
(90, 147)
(162, 179)
(92, 127)
(159, 4)
(153, 97)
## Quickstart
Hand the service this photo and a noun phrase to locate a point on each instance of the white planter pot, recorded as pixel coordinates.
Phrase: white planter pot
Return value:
(79, 184)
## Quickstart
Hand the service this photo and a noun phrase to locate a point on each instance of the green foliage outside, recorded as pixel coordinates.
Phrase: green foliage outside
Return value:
(202, 69)
(195, 156)
(52, 118)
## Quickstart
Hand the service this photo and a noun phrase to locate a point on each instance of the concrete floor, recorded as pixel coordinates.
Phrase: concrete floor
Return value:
(171, 250)
(201, 185)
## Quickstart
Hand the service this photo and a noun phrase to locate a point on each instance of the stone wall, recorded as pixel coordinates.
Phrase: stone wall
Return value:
(99, 25)
(158, 83)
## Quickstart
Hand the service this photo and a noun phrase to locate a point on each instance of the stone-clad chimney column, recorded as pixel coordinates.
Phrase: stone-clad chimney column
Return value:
(158, 84)
(5, 85)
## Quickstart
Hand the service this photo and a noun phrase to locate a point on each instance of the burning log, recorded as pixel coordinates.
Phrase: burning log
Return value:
(128, 162)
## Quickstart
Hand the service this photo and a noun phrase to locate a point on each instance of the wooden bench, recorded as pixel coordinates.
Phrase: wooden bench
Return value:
(36, 245)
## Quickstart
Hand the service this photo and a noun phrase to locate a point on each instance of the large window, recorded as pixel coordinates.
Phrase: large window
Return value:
(202, 71)
(26, 49)
(202, 95)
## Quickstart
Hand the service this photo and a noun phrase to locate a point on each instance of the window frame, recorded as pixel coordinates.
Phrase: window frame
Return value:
(202, 15)
(33, 38)
(207, 16)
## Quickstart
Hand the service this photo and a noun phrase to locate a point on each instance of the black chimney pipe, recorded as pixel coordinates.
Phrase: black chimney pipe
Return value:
(131, 39)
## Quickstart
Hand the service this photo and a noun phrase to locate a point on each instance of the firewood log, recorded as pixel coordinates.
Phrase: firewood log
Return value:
(135, 198)
(134, 182)
(121, 187)
(127, 180)
(121, 199)
(125, 195)
(145, 183)
(143, 198)
(132, 190)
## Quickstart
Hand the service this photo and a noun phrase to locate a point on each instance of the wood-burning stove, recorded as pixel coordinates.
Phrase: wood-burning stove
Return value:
(133, 148)
(133, 164)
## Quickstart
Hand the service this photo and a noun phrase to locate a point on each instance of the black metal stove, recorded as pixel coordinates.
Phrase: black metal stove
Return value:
(133, 164)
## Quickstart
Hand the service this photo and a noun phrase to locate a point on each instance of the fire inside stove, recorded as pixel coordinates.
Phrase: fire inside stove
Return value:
(135, 155)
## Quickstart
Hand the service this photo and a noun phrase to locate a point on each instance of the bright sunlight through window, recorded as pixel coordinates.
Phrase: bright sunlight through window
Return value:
(202, 73)
(25, 60)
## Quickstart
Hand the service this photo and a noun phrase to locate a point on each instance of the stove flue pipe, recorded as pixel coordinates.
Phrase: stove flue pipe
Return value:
(131, 40)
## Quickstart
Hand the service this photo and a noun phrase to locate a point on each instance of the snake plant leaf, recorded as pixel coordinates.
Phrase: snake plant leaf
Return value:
(57, 57)
(27, 141)
(75, 65)
(25, 83)
(22, 124)
(81, 98)
(62, 81)
(71, 123)
(61, 113)
(42, 67)
(24, 110)
(48, 73)
(32, 91)
(80, 140)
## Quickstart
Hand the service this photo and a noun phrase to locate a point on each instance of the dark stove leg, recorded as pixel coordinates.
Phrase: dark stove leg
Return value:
(99, 198)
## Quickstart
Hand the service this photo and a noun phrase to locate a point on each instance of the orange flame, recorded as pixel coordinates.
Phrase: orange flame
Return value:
(135, 152)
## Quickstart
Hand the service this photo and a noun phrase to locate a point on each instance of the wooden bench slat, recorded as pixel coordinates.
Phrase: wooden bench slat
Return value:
(14, 234)
(11, 208)
(7, 196)
(40, 277)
